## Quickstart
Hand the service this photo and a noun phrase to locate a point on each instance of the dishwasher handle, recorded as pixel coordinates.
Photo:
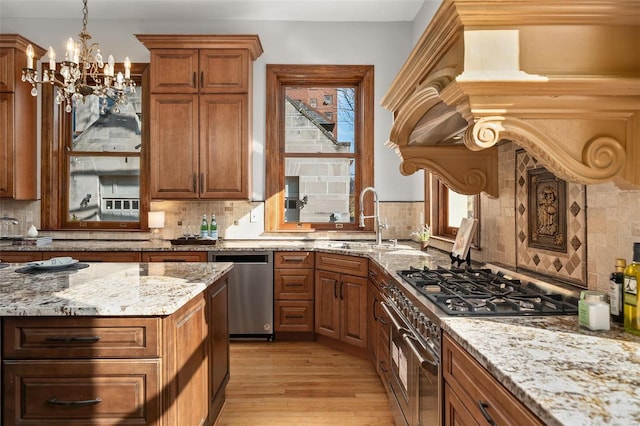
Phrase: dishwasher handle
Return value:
(241, 258)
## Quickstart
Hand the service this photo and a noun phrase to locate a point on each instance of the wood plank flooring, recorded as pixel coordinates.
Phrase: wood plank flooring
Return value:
(301, 383)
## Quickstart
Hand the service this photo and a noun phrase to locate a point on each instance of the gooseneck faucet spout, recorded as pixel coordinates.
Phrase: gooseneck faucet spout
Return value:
(378, 225)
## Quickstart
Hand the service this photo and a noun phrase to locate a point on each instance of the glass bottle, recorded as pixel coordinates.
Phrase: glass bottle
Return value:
(204, 227)
(631, 272)
(616, 293)
(213, 227)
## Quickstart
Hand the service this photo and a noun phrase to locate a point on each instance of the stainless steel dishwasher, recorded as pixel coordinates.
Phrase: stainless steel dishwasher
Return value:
(250, 292)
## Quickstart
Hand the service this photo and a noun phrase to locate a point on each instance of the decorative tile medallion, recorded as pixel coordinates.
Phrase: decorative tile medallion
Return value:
(548, 223)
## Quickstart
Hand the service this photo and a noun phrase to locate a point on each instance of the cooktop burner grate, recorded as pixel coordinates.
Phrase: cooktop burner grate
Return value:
(484, 292)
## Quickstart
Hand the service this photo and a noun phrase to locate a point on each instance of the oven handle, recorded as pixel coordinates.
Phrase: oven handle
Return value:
(429, 362)
(394, 322)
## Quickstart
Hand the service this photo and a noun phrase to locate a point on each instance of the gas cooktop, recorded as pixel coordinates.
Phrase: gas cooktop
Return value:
(483, 292)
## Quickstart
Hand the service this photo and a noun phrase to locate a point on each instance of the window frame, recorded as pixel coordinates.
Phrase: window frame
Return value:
(56, 149)
(436, 204)
(278, 78)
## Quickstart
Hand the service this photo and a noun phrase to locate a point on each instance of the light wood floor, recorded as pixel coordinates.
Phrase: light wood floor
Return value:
(301, 383)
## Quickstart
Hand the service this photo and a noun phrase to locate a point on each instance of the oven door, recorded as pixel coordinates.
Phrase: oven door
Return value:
(414, 376)
(402, 377)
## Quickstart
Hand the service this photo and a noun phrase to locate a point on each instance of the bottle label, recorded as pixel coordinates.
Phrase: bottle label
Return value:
(614, 298)
(630, 290)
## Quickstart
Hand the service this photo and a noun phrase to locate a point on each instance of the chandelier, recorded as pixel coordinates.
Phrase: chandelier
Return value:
(83, 72)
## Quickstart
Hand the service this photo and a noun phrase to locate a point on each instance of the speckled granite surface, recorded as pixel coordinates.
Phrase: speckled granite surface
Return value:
(566, 375)
(563, 373)
(105, 289)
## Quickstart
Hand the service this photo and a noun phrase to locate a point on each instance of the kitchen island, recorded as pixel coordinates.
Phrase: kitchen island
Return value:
(106, 343)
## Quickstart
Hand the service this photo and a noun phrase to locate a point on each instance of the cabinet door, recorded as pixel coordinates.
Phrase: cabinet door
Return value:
(353, 298)
(188, 379)
(7, 81)
(373, 298)
(224, 71)
(6, 145)
(224, 139)
(219, 329)
(174, 70)
(327, 304)
(455, 413)
(173, 147)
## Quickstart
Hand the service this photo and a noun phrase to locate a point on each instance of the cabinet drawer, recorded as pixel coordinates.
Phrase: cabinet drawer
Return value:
(293, 259)
(36, 338)
(293, 284)
(76, 392)
(351, 265)
(96, 256)
(175, 256)
(293, 315)
(20, 256)
(474, 386)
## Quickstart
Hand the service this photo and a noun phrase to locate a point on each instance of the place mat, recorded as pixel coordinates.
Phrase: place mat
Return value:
(34, 271)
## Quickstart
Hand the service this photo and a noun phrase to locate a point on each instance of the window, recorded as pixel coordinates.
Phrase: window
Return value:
(448, 207)
(318, 159)
(328, 100)
(313, 102)
(92, 169)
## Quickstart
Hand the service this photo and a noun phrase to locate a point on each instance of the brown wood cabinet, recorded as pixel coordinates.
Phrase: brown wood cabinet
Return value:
(95, 256)
(471, 394)
(165, 370)
(20, 256)
(341, 298)
(218, 301)
(200, 127)
(377, 321)
(174, 256)
(294, 292)
(18, 115)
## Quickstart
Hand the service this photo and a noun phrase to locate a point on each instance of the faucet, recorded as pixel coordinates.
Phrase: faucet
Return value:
(376, 216)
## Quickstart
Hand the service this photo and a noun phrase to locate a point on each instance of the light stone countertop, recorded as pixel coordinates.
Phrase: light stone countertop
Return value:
(566, 375)
(563, 373)
(105, 289)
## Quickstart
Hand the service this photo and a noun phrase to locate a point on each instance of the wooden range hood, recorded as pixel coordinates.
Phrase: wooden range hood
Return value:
(559, 78)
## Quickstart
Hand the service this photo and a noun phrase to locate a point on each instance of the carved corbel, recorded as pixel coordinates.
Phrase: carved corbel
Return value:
(597, 160)
(463, 171)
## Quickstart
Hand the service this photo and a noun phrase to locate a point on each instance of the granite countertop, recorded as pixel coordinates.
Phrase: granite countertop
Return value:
(565, 374)
(105, 289)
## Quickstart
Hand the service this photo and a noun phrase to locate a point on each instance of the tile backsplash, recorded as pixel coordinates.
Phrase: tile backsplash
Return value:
(235, 221)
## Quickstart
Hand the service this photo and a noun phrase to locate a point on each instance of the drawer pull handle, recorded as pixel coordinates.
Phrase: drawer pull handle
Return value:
(75, 339)
(294, 316)
(295, 285)
(382, 321)
(483, 409)
(294, 258)
(54, 401)
(383, 367)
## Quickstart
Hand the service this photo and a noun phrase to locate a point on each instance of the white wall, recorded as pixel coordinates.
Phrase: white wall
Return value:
(384, 45)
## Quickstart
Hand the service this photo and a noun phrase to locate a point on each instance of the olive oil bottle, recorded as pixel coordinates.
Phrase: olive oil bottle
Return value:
(631, 312)
(616, 292)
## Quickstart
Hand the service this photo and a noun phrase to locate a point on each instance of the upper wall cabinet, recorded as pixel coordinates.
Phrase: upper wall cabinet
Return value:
(560, 79)
(18, 113)
(200, 126)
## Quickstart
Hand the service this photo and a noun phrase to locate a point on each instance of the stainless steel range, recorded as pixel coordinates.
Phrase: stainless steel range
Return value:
(485, 292)
(415, 379)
